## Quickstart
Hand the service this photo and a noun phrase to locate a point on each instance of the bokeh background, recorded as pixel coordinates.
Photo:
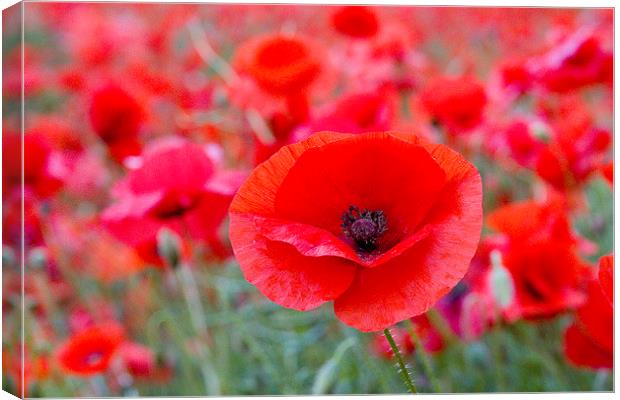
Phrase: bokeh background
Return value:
(524, 94)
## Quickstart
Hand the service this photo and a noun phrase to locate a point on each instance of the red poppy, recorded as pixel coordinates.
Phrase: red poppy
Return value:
(179, 187)
(573, 157)
(516, 75)
(281, 65)
(356, 113)
(608, 172)
(577, 147)
(38, 175)
(577, 62)
(319, 222)
(589, 341)
(90, 351)
(356, 21)
(117, 117)
(524, 147)
(540, 254)
(456, 103)
(139, 360)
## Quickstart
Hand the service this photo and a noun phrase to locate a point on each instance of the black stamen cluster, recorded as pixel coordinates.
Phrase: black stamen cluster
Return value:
(364, 226)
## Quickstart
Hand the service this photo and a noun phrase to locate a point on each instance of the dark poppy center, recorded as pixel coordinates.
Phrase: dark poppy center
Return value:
(365, 227)
(175, 205)
(94, 358)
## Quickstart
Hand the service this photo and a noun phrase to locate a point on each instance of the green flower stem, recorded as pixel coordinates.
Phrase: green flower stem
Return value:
(440, 323)
(402, 368)
(197, 316)
(426, 362)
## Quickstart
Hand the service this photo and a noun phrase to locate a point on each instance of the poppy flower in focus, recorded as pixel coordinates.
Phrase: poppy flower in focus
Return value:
(358, 22)
(540, 252)
(90, 351)
(319, 222)
(117, 118)
(589, 341)
(456, 103)
(178, 186)
(281, 65)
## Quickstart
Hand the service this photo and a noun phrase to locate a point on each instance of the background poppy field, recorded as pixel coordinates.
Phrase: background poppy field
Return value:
(141, 122)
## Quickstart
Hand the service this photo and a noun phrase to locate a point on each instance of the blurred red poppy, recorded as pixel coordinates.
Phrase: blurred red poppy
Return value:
(356, 21)
(524, 147)
(39, 176)
(319, 222)
(540, 254)
(117, 117)
(576, 149)
(90, 351)
(455, 102)
(179, 187)
(578, 61)
(139, 360)
(355, 113)
(281, 65)
(516, 75)
(589, 341)
(608, 172)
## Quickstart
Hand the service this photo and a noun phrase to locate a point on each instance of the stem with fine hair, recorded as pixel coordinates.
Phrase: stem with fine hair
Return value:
(401, 366)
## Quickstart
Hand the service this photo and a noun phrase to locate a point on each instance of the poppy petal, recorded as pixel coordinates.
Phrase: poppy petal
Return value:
(606, 276)
(410, 284)
(180, 168)
(580, 350)
(316, 242)
(283, 274)
(362, 170)
(257, 194)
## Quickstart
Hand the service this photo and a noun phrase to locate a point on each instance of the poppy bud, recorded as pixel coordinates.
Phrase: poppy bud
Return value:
(169, 247)
(501, 281)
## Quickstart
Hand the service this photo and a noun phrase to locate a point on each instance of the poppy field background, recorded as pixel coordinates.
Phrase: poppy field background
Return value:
(142, 121)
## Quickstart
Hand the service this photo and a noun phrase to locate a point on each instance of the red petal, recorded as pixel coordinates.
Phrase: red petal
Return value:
(203, 221)
(316, 242)
(182, 169)
(284, 275)
(580, 350)
(362, 170)
(410, 284)
(596, 317)
(606, 276)
(257, 195)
